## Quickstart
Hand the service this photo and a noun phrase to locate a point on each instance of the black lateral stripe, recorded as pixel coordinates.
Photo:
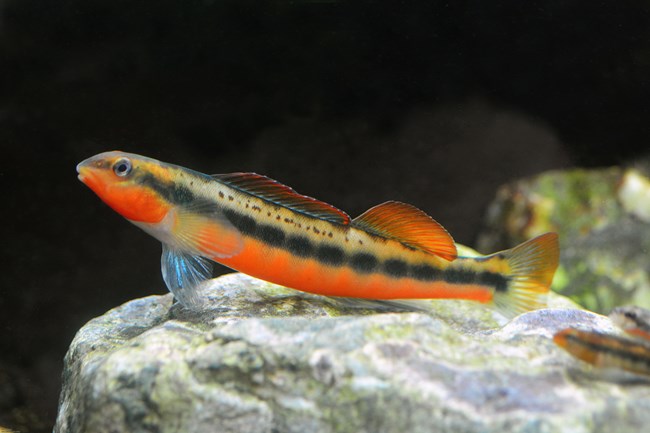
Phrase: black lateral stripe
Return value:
(243, 223)
(484, 278)
(426, 272)
(396, 268)
(330, 255)
(271, 235)
(300, 246)
(460, 276)
(498, 281)
(361, 262)
(623, 352)
(173, 192)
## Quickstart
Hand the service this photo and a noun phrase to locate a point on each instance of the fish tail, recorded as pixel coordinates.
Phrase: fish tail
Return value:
(531, 268)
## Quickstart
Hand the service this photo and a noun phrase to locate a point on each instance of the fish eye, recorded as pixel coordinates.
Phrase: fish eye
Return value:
(630, 315)
(122, 167)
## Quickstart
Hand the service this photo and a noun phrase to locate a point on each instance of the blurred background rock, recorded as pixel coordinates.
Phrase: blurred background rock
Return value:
(431, 102)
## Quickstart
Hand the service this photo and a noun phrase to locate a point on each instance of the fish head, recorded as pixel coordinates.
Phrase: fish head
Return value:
(123, 181)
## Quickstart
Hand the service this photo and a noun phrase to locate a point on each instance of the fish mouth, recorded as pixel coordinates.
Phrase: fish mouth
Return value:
(82, 170)
(89, 174)
(87, 168)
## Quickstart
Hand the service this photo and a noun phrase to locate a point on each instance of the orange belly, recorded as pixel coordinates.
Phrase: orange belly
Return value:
(309, 275)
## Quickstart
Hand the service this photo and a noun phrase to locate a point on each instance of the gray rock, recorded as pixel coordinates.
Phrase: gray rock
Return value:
(267, 359)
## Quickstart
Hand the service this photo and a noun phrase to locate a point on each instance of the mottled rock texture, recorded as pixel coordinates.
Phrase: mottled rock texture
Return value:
(267, 359)
(603, 219)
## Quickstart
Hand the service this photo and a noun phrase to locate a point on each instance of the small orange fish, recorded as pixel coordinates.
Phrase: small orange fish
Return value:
(258, 226)
(632, 319)
(605, 350)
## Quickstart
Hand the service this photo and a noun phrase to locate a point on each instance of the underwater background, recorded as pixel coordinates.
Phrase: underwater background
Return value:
(433, 103)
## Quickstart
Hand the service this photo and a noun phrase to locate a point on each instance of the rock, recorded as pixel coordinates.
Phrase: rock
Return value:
(268, 359)
(603, 219)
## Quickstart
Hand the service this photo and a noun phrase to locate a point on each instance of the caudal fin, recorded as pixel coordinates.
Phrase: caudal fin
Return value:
(532, 266)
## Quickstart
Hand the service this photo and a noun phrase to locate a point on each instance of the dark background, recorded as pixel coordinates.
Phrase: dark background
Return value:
(430, 102)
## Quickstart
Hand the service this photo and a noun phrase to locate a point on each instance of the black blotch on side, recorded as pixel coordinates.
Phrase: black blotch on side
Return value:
(176, 194)
(181, 195)
(425, 272)
(396, 268)
(498, 281)
(271, 235)
(243, 223)
(363, 262)
(460, 276)
(300, 246)
(330, 255)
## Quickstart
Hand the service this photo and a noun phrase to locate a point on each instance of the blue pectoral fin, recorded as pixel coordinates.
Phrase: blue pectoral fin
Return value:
(183, 273)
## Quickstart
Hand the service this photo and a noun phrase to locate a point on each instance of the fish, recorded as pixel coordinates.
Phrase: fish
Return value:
(260, 227)
(606, 351)
(632, 319)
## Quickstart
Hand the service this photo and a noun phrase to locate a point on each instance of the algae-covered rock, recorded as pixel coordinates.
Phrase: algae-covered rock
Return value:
(267, 359)
(603, 219)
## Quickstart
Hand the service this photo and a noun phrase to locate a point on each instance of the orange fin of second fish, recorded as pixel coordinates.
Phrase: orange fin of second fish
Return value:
(408, 225)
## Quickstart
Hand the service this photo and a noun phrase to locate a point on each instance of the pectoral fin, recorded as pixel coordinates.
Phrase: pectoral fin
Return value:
(183, 272)
(206, 231)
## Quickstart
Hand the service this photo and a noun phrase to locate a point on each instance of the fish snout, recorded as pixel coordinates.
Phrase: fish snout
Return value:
(90, 166)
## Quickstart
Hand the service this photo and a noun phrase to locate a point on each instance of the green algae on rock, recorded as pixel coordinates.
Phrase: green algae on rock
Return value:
(602, 217)
(252, 364)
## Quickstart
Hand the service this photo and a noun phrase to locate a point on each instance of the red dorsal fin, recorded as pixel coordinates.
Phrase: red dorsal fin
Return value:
(282, 195)
(408, 225)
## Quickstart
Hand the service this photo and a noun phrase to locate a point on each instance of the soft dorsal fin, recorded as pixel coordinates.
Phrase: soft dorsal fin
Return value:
(275, 192)
(408, 225)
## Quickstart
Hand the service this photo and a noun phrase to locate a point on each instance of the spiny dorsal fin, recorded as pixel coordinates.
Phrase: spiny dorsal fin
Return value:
(408, 225)
(275, 192)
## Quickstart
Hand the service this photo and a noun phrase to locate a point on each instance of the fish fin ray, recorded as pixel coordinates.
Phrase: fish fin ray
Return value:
(206, 231)
(280, 194)
(532, 266)
(408, 225)
(183, 273)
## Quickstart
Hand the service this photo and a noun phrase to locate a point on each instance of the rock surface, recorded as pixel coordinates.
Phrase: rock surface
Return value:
(603, 219)
(267, 359)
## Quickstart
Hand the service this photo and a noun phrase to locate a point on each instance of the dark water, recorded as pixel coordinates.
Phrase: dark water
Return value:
(429, 102)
